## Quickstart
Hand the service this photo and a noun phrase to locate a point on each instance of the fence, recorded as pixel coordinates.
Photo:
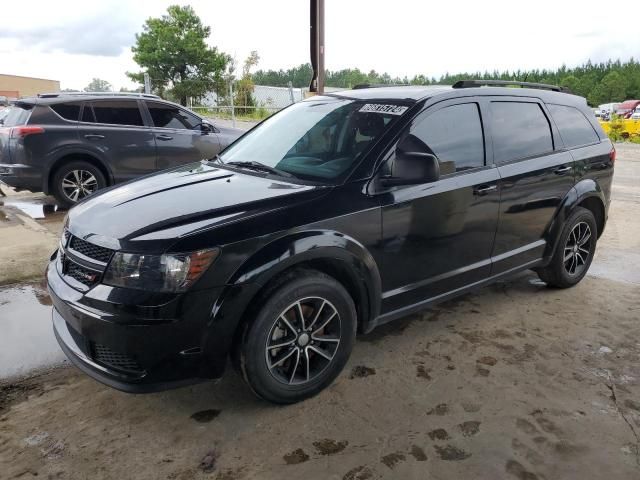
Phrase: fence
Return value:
(232, 101)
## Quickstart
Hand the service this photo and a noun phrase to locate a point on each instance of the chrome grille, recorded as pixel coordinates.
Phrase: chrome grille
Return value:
(90, 250)
(81, 274)
(82, 261)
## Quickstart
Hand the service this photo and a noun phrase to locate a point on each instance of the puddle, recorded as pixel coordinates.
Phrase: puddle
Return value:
(27, 341)
(37, 208)
(614, 264)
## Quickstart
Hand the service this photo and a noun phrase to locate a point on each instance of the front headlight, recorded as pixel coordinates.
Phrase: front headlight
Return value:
(167, 273)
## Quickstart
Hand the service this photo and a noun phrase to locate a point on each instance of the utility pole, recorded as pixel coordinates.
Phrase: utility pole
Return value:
(317, 46)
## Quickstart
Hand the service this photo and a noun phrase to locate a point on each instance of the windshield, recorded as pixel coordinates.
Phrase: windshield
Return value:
(319, 139)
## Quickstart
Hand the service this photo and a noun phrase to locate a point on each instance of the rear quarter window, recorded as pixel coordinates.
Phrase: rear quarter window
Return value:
(68, 111)
(574, 127)
(519, 130)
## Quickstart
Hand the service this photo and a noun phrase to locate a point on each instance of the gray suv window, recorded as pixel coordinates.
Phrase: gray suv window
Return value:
(68, 111)
(519, 130)
(574, 127)
(168, 116)
(113, 112)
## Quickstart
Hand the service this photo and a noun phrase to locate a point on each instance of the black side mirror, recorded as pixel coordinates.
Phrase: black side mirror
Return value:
(412, 168)
(207, 128)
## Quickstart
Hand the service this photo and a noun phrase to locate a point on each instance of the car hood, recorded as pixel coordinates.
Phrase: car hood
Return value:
(151, 213)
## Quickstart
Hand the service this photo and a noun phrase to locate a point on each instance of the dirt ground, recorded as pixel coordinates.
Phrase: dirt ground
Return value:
(515, 381)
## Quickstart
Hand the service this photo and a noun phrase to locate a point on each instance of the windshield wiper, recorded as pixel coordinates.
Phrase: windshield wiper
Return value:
(253, 165)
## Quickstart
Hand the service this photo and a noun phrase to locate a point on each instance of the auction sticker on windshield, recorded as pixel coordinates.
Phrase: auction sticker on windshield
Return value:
(384, 108)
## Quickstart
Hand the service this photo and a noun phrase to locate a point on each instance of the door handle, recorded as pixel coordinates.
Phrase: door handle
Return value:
(93, 136)
(562, 170)
(484, 189)
(164, 137)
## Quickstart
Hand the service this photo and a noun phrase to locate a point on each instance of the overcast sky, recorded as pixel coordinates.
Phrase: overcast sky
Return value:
(74, 41)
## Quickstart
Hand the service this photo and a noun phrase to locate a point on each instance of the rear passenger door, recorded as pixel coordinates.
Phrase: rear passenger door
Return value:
(179, 137)
(438, 237)
(115, 131)
(536, 173)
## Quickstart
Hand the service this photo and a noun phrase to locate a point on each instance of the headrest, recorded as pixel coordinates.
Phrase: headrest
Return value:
(370, 124)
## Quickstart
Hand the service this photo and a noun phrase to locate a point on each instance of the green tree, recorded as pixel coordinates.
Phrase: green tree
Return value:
(245, 86)
(173, 51)
(98, 85)
(612, 88)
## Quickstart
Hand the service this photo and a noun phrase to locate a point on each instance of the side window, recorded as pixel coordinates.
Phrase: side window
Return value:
(168, 116)
(519, 130)
(117, 112)
(574, 127)
(68, 111)
(454, 135)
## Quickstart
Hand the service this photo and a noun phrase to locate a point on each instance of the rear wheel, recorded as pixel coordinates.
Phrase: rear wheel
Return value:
(300, 340)
(574, 252)
(74, 181)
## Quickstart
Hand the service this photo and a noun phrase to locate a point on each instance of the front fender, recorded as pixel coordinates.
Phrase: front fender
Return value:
(317, 245)
(299, 248)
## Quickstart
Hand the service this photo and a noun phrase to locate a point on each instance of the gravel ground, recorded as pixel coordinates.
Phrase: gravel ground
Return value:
(514, 381)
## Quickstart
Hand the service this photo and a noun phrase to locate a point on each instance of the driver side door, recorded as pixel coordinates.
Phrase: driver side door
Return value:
(437, 237)
(178, 136)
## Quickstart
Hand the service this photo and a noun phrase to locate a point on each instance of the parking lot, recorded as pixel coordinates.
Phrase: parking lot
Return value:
(513, 381)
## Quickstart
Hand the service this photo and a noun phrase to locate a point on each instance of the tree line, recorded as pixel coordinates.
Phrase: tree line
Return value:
(604, 82)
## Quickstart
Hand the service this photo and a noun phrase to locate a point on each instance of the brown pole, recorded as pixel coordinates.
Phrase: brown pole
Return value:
(320, 47)
(316, 43)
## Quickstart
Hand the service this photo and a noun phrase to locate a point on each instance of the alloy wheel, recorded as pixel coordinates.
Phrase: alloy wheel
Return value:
(577, 249)
(303, 341)
(78, 184)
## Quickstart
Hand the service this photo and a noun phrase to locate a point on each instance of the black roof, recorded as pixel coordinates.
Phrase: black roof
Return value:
(414, 93)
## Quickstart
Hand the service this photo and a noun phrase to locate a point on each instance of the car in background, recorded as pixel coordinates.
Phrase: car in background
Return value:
(605, 110)
(4, 111)
(73, 144)
(626, 108)
(636, 113)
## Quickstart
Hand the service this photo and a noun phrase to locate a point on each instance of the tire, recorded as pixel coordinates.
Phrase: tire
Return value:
(307, 360)
(76, 172)
(570, 263)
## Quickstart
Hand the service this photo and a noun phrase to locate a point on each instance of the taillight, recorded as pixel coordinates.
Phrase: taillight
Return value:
(612, 155)
(21, 132)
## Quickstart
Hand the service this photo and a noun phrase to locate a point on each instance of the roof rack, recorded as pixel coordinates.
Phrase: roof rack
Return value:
(97, 94)
(378, 85)
(504, 83)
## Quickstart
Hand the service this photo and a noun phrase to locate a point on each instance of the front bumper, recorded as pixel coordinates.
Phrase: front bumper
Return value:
(133, 341)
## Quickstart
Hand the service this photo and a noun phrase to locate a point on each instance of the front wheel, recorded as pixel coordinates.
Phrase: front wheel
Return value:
(575, 251)
(300, 340)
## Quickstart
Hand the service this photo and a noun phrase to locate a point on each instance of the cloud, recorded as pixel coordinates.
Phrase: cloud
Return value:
(105, 35)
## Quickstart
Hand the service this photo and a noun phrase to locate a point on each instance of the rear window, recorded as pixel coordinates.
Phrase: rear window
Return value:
(114, 112)
(519, 130)
(17, 115)
(574, 127)
(68, 111)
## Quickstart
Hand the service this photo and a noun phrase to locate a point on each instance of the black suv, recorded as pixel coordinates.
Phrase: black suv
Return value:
(338, 214)
(71, 145)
